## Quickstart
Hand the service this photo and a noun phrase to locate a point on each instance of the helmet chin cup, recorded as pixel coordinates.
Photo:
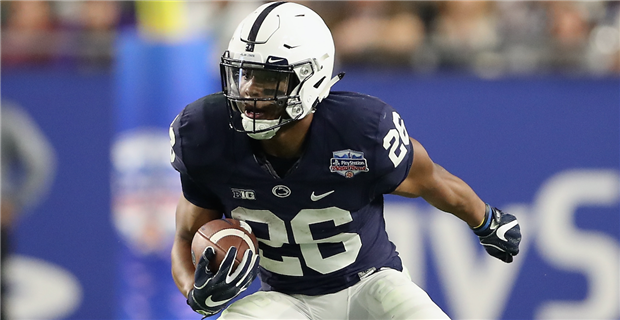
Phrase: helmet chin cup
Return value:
(263, 135)
(253, 128)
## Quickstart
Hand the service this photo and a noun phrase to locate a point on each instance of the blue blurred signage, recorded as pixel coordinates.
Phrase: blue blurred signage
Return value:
(545, 149)
(155, 80)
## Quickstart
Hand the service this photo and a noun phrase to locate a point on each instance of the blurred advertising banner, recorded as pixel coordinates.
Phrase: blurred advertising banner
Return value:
(157, 74)
(63, 250)
(546, 149)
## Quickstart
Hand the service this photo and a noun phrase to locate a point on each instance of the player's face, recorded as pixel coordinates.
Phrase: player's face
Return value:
(262, 84)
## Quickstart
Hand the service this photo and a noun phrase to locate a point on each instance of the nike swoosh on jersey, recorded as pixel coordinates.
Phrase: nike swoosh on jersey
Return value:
(501, 231)
(211, 304)
(314, 197)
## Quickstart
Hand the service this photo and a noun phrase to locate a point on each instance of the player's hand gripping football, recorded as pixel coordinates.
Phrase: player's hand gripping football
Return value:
(211, 291)
(500, 234)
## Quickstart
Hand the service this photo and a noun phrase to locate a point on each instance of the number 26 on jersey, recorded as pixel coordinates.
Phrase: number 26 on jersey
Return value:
(396, 139)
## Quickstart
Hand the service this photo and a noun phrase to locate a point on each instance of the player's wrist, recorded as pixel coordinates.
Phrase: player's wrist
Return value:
(191, 301)
(197, 307)
(188, 291)
(484, 226)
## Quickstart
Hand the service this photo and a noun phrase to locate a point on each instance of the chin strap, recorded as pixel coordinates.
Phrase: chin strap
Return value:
(329, 85)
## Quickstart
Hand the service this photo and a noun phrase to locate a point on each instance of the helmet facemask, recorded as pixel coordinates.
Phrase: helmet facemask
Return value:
(265, 97)
(284, 39)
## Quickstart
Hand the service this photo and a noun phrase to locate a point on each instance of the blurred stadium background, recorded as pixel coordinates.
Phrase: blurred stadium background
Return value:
(519, 98)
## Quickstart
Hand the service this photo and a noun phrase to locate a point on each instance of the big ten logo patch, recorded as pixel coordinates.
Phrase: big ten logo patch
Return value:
(243, 194)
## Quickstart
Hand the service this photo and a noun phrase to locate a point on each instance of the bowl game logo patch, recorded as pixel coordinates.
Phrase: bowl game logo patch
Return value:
(348, 163)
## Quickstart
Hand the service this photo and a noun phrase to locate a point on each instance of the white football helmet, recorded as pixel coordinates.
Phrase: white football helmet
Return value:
(277, 68)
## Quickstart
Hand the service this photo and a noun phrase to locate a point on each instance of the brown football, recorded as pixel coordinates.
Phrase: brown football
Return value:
(221, 234)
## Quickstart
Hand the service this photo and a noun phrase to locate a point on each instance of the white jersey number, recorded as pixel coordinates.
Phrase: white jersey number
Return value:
(302, 235)
(172, 140)
(395, 138)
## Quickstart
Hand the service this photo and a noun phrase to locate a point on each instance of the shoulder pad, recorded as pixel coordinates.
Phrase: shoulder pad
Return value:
(198, 133)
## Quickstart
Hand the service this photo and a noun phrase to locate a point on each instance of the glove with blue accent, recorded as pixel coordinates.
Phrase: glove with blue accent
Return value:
(212, 292)
(500, 234)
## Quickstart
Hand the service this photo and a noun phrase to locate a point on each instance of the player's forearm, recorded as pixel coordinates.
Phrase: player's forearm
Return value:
(453, 195)
(182, 266)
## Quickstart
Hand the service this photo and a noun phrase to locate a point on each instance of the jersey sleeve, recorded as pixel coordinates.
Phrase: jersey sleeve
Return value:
(393, 153)
(176, 151)
(196, 145)
(196, 134)
(199, 196)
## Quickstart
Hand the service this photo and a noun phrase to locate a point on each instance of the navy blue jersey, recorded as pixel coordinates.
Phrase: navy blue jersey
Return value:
(321, 226)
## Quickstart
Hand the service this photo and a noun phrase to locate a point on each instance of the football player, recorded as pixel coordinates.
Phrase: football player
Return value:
(307, 169)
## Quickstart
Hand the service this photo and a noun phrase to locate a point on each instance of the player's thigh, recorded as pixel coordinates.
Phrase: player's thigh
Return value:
(390, 294)
(266, 305)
